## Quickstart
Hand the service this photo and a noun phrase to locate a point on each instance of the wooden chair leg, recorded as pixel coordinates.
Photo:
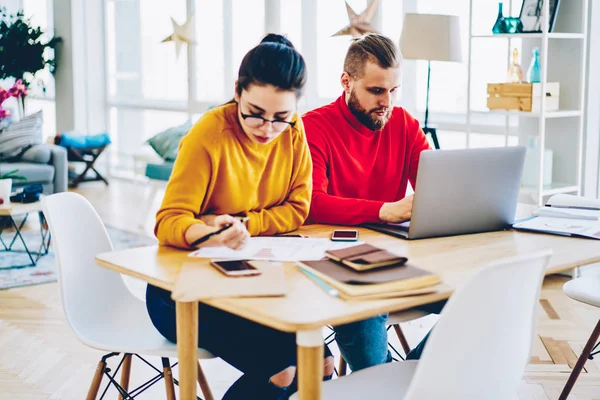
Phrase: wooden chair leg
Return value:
(580, 362)
(342, 367)
(125, 373)
(96, 381)
(169, 385)
(204, 384)
(402, 339)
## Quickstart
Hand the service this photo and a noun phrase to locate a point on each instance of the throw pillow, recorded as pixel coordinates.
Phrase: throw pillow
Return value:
(39, 154)
(166, 143)
(21, 135)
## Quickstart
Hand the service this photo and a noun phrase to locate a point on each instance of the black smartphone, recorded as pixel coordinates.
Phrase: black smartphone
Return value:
(344, 235)
(235, 267)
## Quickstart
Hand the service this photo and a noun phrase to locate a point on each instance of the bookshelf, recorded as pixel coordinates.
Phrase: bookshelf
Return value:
(563, 59)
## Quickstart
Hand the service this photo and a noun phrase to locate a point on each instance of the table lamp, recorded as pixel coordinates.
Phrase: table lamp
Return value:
(431, 37)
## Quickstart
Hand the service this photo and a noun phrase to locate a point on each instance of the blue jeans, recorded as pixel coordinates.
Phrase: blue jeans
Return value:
(434, 308)
(364, 343)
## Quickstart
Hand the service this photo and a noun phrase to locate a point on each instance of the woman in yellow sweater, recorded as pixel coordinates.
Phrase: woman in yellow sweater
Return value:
(246, 158)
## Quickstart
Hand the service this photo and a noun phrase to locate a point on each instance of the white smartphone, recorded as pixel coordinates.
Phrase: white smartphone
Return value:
(235, 267)
(344, 235)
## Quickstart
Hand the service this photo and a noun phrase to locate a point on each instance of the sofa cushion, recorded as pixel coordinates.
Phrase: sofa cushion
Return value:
(37, 154)
(35, 173)
(161, 172)
(21, 135)
(166, 143)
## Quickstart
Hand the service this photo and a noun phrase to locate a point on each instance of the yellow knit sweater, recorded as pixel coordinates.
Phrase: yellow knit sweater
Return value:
(219, 170)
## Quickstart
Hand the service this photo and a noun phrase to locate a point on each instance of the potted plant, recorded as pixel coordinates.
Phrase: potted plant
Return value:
(25, 50)
(6, 184)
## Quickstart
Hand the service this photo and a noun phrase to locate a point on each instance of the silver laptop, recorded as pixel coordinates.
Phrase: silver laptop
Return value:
(463, 191)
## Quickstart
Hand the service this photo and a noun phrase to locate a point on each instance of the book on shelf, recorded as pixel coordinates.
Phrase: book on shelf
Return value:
(565, 215)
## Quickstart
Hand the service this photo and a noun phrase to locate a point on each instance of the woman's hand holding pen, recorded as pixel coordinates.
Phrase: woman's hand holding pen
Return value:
(233, 232)
(234, 237)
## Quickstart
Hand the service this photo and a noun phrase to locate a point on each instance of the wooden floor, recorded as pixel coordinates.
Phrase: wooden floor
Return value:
(41, 358)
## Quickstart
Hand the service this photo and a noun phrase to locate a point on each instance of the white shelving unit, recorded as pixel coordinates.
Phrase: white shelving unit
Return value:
(563, 58)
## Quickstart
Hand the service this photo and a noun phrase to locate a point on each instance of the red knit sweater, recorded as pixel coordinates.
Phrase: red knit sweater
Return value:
(355, 169)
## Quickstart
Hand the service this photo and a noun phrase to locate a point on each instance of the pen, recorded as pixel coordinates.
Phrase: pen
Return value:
(222, 229)
(331, 291)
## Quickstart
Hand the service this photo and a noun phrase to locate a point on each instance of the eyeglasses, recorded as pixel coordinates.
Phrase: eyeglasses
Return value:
(254, 121)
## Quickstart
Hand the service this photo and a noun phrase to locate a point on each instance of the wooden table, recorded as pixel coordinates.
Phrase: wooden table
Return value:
(306, 308)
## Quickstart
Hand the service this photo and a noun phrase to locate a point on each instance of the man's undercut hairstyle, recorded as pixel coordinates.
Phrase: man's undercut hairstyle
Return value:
(374, 48)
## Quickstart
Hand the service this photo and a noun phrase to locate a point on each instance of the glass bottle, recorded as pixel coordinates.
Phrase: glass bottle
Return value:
(515, 73)
(499, 24)
(533, 72)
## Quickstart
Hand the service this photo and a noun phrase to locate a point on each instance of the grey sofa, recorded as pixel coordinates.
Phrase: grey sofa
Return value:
(45, 164)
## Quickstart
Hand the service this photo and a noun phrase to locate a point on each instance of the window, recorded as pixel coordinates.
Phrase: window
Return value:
(331, 18)
(248, 20)
(140, 65)
(291, 21)
(210, 52)
(151, 88)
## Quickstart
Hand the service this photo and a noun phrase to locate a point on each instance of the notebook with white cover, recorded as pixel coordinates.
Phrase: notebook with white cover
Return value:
(571, 201)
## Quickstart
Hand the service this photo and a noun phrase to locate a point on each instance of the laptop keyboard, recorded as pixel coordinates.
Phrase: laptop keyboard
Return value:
(403, 226)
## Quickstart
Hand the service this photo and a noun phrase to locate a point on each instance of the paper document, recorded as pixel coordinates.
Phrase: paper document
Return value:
(275, 249)
(561, 226)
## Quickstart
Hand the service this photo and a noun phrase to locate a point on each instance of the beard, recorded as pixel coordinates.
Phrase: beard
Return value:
(368, 118)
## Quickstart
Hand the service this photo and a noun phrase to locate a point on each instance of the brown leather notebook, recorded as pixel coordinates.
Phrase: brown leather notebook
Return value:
(357, 284)
(365, 257)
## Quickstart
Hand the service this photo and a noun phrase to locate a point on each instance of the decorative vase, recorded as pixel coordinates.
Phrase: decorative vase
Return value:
(499, 26)
(515, 73)
(5, 190)
(533, 72)
(512, 25)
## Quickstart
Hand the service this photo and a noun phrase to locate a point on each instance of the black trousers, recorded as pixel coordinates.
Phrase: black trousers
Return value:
(258, 351)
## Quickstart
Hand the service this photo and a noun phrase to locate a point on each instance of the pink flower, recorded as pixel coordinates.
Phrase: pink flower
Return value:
(4, 113)
(19, 89)
(3, 95)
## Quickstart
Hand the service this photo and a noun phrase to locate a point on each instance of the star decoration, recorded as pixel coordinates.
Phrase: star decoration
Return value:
(359, 23)
(181, 34)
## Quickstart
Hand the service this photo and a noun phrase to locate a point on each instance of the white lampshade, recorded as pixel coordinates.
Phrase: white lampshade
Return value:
(431, 37)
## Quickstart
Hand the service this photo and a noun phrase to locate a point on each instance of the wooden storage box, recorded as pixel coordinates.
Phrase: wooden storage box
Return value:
(522, 96)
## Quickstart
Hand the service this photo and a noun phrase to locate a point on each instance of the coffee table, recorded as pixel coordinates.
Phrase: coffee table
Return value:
(7, 214)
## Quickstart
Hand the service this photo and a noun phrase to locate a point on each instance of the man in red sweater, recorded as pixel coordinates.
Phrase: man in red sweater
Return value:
(364, 152)
(364, 149)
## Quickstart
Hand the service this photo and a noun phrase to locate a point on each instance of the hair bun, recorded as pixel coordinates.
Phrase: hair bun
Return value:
(277, 38)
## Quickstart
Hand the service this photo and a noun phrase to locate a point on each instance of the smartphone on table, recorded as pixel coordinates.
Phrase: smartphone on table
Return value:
(235, 267)
(344, 235)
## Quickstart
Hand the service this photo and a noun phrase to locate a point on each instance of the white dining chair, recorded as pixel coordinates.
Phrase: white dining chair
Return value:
(585, 290)
(478, 348)
(100, 309)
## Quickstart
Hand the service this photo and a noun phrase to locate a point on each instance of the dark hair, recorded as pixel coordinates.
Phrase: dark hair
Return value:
(275, 62)
(372, 47)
